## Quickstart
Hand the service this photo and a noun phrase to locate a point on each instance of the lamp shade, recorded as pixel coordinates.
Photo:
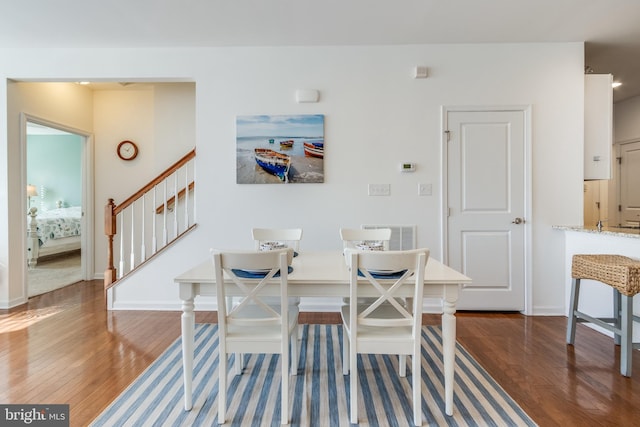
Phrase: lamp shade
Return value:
(31, 190)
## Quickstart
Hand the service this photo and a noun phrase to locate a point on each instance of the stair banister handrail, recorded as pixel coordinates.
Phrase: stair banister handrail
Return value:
(190, 155)
(112, 210)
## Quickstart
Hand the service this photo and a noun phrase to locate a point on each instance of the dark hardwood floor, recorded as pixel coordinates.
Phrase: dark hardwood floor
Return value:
(64, 347)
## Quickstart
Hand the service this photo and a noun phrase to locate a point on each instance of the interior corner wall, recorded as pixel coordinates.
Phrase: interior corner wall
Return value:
(377, 116)
(174, 121)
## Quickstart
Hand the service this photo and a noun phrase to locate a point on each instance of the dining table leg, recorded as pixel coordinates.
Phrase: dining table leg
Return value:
(448, 351)
(188, 327)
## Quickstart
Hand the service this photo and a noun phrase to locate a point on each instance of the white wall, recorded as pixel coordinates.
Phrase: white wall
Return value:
(376, 116)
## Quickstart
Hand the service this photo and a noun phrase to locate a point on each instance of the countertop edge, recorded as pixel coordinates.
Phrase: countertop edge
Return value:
(630, 233)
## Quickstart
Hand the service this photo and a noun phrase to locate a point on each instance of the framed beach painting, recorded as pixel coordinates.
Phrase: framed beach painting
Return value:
(280, 149)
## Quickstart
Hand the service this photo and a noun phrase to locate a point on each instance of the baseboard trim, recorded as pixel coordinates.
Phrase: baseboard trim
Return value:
(7, 304)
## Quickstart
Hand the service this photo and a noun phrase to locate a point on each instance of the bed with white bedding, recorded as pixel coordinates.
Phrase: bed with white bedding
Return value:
(52, 232)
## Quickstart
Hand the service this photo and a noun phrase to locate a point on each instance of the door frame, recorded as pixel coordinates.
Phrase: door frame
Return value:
(616, 181)
(528, 192)
(86, 238)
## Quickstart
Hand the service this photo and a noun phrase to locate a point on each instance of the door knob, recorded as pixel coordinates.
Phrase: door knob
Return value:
(518, 221)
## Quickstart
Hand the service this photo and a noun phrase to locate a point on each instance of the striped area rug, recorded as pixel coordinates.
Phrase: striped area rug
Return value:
(319, 393)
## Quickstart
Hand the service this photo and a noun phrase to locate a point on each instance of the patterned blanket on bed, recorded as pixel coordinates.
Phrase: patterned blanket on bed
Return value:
(59, 223)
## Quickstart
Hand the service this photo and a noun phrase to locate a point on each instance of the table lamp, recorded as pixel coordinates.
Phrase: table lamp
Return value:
(31, 192)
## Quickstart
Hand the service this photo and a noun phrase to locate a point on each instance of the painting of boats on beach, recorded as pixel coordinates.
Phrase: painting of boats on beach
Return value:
(280, 149)
(275, 163)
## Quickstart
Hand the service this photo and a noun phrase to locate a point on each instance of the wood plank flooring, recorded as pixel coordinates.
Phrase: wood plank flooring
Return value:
(64, 347)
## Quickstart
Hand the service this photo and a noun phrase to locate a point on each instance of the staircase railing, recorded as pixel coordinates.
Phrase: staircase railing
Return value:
(151, 219)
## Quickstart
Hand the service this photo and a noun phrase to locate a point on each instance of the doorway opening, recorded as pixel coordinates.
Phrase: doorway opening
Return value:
(56, 173)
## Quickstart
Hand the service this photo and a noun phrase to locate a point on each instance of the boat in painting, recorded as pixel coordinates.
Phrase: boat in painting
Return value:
(273, 162)
(314, 149)
(286, 144)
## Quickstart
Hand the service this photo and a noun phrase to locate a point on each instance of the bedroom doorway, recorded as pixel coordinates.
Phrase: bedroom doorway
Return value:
(56, 173)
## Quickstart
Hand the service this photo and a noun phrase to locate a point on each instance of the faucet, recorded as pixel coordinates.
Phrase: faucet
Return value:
(599, 224)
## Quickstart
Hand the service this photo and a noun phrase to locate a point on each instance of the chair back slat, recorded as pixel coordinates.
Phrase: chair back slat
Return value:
(289, 236)
(353, 236)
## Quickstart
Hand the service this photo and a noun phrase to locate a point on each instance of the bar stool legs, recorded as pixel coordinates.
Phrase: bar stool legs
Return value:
(626, 357)
(620, 273)
(573, 307)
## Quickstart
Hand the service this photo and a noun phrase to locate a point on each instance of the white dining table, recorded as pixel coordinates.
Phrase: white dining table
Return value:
(321, 274)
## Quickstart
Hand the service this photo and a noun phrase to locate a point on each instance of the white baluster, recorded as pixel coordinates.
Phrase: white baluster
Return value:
(164, 216)
(133, 253)
(154, 240)
(194, 191)
(186, 196)
(175, 205)
(121, 264)
(143, 254)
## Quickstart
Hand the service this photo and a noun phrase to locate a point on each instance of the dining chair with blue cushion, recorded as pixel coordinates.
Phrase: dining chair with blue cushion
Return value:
(384, 326)
(249, 324)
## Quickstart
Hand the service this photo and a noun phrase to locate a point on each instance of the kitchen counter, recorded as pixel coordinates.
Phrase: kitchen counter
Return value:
(633, 233)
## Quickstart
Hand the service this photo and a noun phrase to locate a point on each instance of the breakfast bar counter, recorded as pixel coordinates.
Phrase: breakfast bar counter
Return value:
(594, 296)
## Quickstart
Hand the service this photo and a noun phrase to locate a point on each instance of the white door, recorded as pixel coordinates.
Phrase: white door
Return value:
(485, 238)
(629, 179)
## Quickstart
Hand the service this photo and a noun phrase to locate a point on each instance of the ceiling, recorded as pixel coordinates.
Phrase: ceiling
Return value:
(609, 28)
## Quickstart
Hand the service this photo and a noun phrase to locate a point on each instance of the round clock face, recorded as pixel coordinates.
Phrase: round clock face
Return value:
(127, 150)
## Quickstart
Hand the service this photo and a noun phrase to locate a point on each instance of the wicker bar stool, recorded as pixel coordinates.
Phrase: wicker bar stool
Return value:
(623, 275)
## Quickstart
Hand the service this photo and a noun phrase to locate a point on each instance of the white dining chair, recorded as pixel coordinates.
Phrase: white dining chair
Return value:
(289, 236)
(384, 326)
(250, 325)
(353, 236)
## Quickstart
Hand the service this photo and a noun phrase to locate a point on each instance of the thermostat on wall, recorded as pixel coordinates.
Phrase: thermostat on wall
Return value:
(407, 167)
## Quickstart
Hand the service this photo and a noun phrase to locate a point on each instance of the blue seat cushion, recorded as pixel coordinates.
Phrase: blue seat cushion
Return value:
(254, 275)
(394, 275)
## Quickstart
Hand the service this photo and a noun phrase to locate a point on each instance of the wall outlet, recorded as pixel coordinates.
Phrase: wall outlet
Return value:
(379, 189)
(425, 189)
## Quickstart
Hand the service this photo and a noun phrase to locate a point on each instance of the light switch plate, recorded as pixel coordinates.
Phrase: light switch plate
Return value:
(379, 189)
(425, 189)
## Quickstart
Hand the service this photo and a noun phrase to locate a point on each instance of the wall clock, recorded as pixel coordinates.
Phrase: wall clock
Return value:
(127, 150)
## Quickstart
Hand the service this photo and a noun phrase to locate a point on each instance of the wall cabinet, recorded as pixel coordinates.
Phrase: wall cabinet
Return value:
(598, 125)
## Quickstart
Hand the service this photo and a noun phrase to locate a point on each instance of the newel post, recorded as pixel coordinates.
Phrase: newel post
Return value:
(109, 231)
